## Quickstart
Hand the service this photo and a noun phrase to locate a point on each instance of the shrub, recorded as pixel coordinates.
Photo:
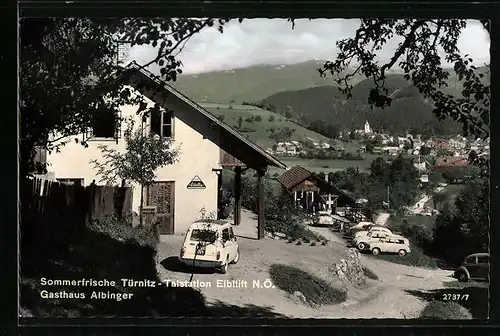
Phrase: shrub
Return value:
(449, 310)
(122, 230)
(369, 273)
(315, 290)
(257, 118)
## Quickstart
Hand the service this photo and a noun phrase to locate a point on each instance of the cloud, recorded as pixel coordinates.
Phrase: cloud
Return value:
(272, 41)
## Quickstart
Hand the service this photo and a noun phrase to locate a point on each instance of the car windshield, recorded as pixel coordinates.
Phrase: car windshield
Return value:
(208, 236)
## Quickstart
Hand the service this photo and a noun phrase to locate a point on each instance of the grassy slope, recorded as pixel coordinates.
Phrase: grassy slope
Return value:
(261, 134)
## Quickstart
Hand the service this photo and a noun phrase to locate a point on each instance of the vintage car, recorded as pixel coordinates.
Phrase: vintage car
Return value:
(323, 218)
(375, 228)
(362, 241)
(474, 267)
(390, 244)
(210, 244)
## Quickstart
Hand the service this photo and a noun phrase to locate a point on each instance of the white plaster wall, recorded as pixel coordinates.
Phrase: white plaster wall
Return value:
(197, 157)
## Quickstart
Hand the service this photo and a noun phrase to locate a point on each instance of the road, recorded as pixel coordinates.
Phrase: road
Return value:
(384, 298)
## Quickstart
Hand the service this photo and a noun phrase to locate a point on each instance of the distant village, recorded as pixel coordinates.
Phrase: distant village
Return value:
(452, 151)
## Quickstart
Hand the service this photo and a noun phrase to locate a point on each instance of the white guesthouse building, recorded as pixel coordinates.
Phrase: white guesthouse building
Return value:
(192, 184)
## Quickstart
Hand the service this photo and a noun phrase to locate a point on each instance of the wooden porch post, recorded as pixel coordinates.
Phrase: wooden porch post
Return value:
(237, 195)
(261, 200)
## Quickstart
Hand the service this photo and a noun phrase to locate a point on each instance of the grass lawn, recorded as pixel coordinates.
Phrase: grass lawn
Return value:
(261, 130)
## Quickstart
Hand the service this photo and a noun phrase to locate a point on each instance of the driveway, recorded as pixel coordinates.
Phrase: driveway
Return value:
(385, 298)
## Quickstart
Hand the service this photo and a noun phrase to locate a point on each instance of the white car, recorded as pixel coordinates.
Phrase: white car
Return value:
(390, 244)
(380, 229)
(211, 244)
(363, 241)
(323, 218)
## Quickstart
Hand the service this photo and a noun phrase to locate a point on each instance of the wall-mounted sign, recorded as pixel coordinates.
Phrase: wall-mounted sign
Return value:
(196, 183)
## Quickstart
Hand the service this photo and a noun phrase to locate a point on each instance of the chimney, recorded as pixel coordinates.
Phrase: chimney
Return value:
(326, 177)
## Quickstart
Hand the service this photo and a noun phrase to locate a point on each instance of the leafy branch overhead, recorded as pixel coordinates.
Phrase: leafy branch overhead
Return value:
(418, 55)
(69, 64)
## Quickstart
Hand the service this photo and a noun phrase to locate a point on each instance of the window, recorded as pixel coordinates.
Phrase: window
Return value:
(105, 123)
(162, 122)
(206, 236)
(225, 235)
(483, 260)
(470, 260)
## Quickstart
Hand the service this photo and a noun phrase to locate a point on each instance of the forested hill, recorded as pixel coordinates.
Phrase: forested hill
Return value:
(408, 111)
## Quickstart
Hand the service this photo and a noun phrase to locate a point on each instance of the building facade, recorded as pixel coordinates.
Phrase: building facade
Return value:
(182, 191)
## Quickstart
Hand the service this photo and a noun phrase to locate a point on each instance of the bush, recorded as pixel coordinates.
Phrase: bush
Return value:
(122, 230)
(257, 118)
(449, 310)
(416, 258)
(315, 290)
(369, 273)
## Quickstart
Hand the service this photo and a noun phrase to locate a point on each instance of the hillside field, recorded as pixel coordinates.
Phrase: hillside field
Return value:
(261, 130)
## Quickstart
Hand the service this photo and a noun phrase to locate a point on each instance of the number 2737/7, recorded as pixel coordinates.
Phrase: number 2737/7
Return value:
(455, 297)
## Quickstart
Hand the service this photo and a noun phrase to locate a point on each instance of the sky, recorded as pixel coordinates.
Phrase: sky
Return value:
(272, 41)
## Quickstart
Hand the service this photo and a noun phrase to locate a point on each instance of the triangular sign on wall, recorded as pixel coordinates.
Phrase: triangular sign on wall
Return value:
(196, 183)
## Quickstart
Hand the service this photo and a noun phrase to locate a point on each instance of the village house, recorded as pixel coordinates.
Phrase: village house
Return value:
(314, 194)
(391, 150)
(191, 185)
(457, 142)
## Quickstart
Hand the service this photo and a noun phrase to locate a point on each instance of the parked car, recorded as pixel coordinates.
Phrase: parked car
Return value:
(363, 241)
(474, 267)
(366, 226)
(375, 228)
(210, 244)
(323, 218)
(390, 244)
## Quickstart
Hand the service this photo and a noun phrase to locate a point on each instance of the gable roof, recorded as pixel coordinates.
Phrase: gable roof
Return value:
(297, 174)
(293, 177)
(134, 75)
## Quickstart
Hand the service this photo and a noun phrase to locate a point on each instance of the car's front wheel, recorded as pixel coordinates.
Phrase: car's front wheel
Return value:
(376, 251)
(361, 246)
(223, 268)
(462, 277)
(237, 256)
(402, 253)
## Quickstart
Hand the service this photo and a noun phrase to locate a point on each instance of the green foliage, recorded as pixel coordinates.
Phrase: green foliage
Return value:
(67, 64)
(257, 118)
(463, 228)
(419, 37)
(445, 310)
(144, 154)
(281, 215)
(315, 290)
(122, 230)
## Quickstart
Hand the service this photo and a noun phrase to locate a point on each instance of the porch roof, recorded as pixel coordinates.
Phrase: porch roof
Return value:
(224, 136)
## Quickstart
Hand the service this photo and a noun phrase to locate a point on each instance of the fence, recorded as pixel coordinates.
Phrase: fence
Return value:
(53, 205)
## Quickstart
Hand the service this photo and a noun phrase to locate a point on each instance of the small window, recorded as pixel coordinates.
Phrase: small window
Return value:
(162, 122)
(225, 234)
(483, 260)
(470, 260)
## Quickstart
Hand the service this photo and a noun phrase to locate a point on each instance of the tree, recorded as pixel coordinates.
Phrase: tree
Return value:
(67, 70)
(288, 111)
(369, 147)
(257, 118)
(418, 57)
(144, 154)
(271, 118)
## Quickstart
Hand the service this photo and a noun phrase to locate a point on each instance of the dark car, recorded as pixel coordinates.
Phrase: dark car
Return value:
(475, 267)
